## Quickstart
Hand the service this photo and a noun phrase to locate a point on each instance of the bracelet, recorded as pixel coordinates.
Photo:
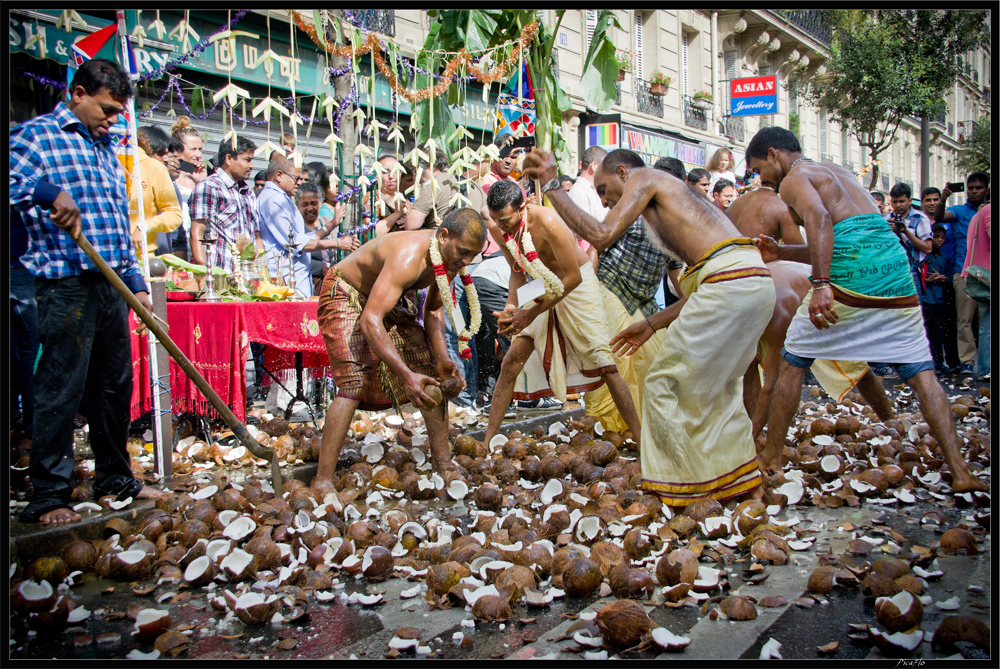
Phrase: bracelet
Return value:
(819, 281)
(650, 325)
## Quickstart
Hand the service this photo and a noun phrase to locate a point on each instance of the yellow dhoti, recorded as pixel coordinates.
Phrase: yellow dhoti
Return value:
(696, 435)
(836, 377)
(632, 368)
(571, 345)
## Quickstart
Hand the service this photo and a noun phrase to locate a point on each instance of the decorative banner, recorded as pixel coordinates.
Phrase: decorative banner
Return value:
(754, 96)
(514, 110)
(604, 135)
(653, 146)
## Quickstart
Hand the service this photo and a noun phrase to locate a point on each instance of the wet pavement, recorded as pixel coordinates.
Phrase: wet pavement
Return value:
(336, 630)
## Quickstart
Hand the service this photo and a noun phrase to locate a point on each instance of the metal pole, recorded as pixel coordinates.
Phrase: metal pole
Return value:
(238, 428)
(925, 152)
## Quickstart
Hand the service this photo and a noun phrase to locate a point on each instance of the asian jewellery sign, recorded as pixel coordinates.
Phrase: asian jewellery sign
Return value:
(754, 96)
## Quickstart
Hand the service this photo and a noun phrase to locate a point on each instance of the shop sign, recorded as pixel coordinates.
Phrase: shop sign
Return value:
(753, 96)
(660, 146)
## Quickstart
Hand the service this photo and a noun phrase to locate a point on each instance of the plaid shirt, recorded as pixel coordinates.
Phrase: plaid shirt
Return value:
(53, 153)
(230, 209)
(632, 269)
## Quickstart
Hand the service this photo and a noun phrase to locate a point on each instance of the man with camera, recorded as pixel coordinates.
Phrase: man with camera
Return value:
(911, 226)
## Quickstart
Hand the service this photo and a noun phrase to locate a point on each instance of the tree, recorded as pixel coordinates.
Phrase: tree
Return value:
(975, 156)
(886, 65)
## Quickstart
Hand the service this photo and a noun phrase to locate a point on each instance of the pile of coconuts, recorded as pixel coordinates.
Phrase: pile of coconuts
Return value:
(509, 527)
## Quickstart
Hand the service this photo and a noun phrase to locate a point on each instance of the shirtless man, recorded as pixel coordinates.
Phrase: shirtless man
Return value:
(368, 315)
(696, 435)
(763, 214)
(857, 262)
(567, 323)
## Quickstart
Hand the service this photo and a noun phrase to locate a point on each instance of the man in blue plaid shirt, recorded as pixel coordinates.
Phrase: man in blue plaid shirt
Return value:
(65, 177)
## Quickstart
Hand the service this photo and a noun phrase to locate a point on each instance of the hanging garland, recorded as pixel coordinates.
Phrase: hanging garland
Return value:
(448, 299)
(373, 45)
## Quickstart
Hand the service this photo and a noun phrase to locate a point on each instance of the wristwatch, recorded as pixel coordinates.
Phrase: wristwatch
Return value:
(550, 185)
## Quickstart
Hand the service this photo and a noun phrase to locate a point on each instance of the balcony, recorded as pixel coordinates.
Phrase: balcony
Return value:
(734, 127)
(695, 118)
(951, 129)
(848, 165)
(886, 181)
(975, 76)
(826, 158)
(377, 20)
(647, 102)
(809, 20)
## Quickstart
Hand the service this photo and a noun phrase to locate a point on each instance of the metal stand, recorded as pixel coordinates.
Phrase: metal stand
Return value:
(299, 391)
(209, 295)
(290, 250)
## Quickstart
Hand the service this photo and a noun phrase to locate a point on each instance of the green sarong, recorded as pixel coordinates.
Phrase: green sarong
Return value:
(868, 258)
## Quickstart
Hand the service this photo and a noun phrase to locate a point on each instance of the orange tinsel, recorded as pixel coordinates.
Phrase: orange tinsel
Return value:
(372, 45)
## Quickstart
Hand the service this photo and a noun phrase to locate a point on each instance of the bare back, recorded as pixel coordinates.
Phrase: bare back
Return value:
(406, 255)
(762, 212)
(685, 222)
(841, 194)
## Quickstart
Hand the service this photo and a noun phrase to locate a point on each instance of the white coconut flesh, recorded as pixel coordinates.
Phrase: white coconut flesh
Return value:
(552, 489)
(556, 429)
(131, 557)
(923, 573)
(588, 528)
(908, 641)
(598, 428)
(373, 452)
(952, 604)
(218, 548)
(33, 592)
(351, 561)
(591, 641)
(237, 453)
(823, 440)
(715, 522)
(770, 650)
(147, 616)
(472, 595)
(494, 566)
(413, 528)
(708, 579)
(457, 490)
(197, 568)
(793, 490)
(497, 442)
(411, 592)
(227, 516)
(239, 528)
(418, 456)
(136, 654)
(902, 601)
(184, 443)
(403, 644)
(79, 614)
(88, 507)
(588, 615)
(667, 640)
(830, 464)
(116, 505)
(393, 421)
(861, 486)
(596, 655)
(551, 509)
(236, 562)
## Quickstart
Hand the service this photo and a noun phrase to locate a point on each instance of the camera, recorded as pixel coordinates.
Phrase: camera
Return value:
(898, 223)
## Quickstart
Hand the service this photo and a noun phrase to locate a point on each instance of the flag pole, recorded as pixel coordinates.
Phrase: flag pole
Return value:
(135, 185)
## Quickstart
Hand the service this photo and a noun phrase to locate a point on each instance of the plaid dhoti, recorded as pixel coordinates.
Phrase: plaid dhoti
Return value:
(353, 364)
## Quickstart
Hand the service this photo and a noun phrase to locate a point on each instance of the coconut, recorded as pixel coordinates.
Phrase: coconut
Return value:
(769, 546)
(890, 567)
(701, 509)
(900, 612)
(623, 623)
(603, 453)
(637, 545)
(517, 579)
(491, 607)
(239, 564)
(443, 577)
(738, 608)
(434, 394)
(879, 585)
(266, 552)
(956, 539)
(676, 593)
(682, 525)
(589, 529)
(79, 556)
(118, 526)
(669, 641)
(680, 565)
(629, 583)
(552, 468)
(172, 643)
(31, 596)
(489, 498)
(253, 609)
(607, 556)
(913, 583)
(130, 565)
(51, 569)
(749, 515)
(821, 581)
(151, 623)
(962, 628)
(377, 563)
(581, 577)
(200, 572)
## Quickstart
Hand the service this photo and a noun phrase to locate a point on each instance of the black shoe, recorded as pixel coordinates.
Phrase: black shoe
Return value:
(511, 411)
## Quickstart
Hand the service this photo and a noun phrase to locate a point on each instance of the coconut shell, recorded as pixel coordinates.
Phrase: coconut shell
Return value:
(889, 616)
(517, 580)
(738, 608)
(443, 577)
(581, 577)
(962, 628)
(79, 556)
(701, 509)
(434, 394)
(891, 568)
(678, 566)
(489, 498)
(879, 585)
(51, 569)
(608, 556)
(821, 581)
(491, 607)
(957, 539)
(627, 583)
(623, 623)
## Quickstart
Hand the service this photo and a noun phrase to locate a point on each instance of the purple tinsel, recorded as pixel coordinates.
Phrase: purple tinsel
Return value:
(197, 49)
(58, 85)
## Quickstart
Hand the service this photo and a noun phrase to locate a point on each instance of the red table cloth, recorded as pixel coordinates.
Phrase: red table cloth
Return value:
(216, 338)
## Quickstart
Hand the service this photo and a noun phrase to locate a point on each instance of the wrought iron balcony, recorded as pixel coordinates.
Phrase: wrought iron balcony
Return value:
(975, 76)
(886, 180)
(941, 118)
(694, 117)
(848, 165)
(378, 20)
(735, 128)
(647, 102)
(951, 129)
(826, 158)
(809, 20)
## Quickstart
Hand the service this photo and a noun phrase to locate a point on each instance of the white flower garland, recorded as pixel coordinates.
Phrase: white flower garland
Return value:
(532, 265)
(444, 287)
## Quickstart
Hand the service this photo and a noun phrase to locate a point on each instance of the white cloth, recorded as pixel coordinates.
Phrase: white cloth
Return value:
(495, 270)
(185, 195)
(883, 335)
(728, 174)
(585, 196)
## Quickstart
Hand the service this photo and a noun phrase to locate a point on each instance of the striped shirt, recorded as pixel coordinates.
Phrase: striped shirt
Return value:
(632, 269)
(53, 153)
(229, 209)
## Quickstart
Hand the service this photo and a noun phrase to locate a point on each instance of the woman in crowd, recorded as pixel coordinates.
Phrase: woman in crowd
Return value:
(162, 213)
(721, 167)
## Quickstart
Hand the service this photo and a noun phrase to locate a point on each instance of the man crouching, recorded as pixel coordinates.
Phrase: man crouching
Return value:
(380, 356)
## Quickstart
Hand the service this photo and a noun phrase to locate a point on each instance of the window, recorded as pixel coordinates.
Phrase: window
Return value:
(765, 121)
(637, 46)
(729, 59)
(824, 135)
(684, 63)
(591, 25)
(793, 97)
(845, 143)
(543, 16)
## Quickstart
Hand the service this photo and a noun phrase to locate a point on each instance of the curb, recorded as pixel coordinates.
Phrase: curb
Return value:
(29, 541)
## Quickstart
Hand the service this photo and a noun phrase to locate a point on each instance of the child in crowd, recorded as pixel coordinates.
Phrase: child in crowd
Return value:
(935, 274)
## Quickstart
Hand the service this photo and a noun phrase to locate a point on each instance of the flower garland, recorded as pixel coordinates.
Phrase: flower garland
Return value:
(448, 300)
(531, 264)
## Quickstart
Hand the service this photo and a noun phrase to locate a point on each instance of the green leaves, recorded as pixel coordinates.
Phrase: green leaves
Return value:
(600, 68)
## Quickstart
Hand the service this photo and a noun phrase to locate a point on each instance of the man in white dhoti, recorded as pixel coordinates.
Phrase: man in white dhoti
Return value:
(858, 263)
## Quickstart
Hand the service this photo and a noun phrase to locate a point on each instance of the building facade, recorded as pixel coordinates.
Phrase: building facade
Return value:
(700, 50)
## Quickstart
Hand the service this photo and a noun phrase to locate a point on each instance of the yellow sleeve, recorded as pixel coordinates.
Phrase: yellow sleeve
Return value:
(162, 198)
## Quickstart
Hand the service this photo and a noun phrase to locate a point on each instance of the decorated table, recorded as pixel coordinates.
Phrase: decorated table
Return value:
(216, 338)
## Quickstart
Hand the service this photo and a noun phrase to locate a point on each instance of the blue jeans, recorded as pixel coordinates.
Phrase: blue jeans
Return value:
(469, 367)
(906, 370)
(983, 355)
(23, 343)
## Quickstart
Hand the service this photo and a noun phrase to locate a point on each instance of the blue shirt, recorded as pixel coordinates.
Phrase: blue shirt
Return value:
(276, 214)
(53, 153)
(960, 226)
(933, 293)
